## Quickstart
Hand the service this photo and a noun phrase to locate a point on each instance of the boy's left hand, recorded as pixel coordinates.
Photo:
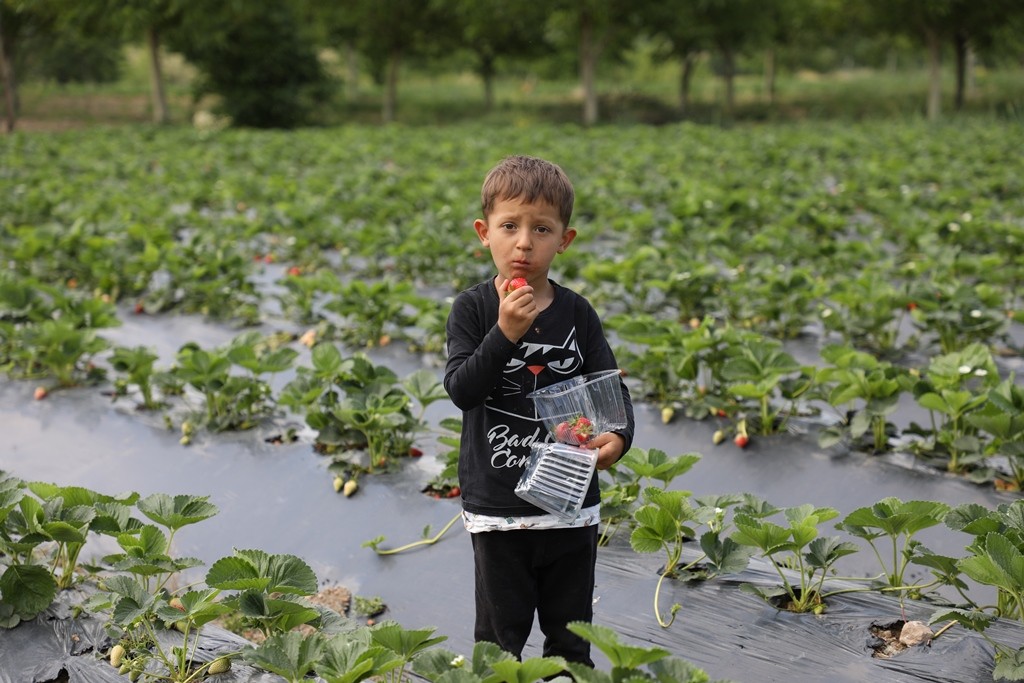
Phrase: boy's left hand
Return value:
(609, 447)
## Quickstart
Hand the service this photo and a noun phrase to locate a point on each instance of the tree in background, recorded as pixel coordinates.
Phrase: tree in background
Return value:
(686, 38)
(152, 19)
(389, 32)
(598, 29)
(21, 22)
(935, 23)
(734, 26)
(496, 29)
(257, 58)
(114, 21)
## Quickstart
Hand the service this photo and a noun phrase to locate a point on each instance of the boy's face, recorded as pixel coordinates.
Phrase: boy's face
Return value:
(524, 238)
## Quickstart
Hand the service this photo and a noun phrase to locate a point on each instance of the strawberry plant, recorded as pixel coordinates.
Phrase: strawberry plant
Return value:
(303, 293)
(355, 404)
(1001, 417)
(954, 386)
(373, 313)
(958, 314)
(678, 367)
(796, 547)
(42, 536)
(136, 364)
(866, 311)
(233, 401)
(208, 275)
(667, 520)
(488, 663)
(894, 522)
(864, 391)
(629, 661)
(755, 370)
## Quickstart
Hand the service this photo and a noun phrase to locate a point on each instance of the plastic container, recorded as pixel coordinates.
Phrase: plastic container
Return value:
(557, 477)
(580, 408)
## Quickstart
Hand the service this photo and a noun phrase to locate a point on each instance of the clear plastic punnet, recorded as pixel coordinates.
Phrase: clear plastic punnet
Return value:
(580, 408)
(557, 477)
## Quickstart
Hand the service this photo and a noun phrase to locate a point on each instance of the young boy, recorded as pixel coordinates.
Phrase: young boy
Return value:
(502, 345)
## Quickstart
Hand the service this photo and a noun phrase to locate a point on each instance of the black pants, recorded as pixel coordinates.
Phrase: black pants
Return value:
(547, 571)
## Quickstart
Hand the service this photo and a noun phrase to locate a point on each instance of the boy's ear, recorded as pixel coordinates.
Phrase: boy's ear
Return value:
(480, 225)
(568, 235)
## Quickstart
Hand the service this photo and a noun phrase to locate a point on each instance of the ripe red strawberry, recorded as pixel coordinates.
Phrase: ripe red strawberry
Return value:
(582, 429)
(577, 431)
(515, 284)
(40, 393)
(741, 439)
(563, 432)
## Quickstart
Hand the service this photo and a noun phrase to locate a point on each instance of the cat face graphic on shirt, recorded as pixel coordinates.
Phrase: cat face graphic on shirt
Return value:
(535, 365)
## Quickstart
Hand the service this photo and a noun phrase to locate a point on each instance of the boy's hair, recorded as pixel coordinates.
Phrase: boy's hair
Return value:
(529, 179)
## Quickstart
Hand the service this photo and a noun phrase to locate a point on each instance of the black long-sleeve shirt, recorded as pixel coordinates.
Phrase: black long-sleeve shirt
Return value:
(488, 378)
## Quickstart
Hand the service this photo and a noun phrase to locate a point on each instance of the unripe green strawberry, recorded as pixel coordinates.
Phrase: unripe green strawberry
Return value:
(219, 666)
(187, 428)
(339, 481)
(667, 413)
(124, 668)
(718, 437)
(185, 440)
(116, 655)
(350, 487)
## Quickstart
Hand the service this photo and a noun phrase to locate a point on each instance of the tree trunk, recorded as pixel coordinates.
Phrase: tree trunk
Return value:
(9, 81)
(391, 88)
(588, 68)
(972, 62)
(962, 49)
(729, 76)
(156, 78)
(934, 74)
(686, 80)
(487, 75)
(769, 75)
(352, 67)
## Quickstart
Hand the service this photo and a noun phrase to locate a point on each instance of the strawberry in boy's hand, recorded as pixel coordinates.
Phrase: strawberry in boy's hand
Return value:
(578, 431)
(515, 284)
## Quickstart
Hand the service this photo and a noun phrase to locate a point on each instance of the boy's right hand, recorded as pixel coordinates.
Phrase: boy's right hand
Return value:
(516, 309)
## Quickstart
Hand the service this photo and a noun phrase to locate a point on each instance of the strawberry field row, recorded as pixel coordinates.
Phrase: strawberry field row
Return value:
(897, 247)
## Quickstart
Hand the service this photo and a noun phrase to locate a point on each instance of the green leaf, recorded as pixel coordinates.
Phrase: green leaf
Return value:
(29, 589)
(177, 512)
(256, 569)
(1009, 666)
(527, 671)
(619, 654)
(975, 620)
(406, 643)
(290, 655)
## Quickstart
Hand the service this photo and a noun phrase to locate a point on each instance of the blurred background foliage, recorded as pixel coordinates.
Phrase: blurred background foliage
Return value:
(288, 63)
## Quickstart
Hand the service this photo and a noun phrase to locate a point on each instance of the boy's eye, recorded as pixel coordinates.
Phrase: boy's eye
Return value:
(508, 226)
